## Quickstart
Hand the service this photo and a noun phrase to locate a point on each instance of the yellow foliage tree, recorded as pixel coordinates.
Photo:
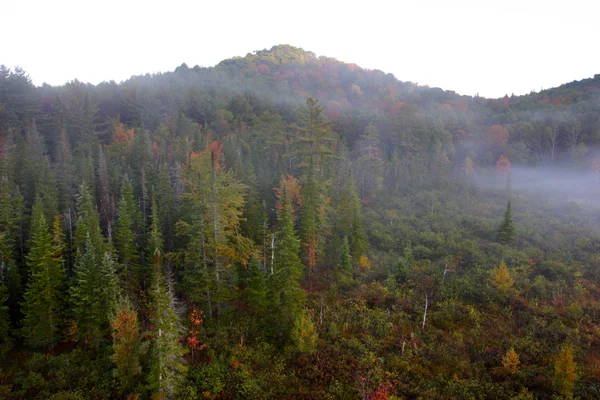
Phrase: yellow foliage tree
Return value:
(364, 264)
(501, 279)
(511, 361)
(304, 334)
(564, 372)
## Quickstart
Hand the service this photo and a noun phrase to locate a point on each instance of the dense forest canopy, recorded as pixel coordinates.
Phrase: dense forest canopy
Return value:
(283, 225)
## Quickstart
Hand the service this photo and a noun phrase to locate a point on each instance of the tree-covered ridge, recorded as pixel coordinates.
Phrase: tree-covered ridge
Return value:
(289, 226)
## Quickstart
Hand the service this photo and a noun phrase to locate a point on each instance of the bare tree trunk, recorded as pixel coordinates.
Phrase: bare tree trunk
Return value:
(425, 313)
(272, 253)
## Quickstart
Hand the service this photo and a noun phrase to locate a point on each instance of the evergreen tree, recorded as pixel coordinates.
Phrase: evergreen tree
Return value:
(506, 233)
(125, 243)
(42, 307)
(167, 368)
(345, 264)
(5, 339)
(93, 294)
(88, 224)
(287, 296)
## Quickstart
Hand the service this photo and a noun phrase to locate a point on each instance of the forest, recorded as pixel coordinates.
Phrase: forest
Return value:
(287, 226)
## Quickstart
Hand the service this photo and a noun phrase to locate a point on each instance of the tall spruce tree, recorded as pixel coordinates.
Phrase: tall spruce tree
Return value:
(42, 307)
(5, 338)
(125, 243)
(167, 368)
(506, 232)
(93, 294)
(287, 296)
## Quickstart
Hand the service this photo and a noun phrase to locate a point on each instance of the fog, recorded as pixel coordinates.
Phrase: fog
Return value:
(557, 185)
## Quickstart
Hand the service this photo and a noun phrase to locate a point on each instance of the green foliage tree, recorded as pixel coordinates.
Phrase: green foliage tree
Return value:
(93, 294)
(167, 366)
(127, 250)
(287, 296)
(42, 307)
(506, 232)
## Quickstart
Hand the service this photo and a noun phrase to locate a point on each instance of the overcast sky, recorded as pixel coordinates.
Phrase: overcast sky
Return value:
(467, 46)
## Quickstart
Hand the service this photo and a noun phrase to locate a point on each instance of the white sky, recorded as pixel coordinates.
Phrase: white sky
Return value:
(508, 46)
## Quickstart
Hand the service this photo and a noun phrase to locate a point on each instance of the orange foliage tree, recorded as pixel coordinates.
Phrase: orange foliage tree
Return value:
(498, 135)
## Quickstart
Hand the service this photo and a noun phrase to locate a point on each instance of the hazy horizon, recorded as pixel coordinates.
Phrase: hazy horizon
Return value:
(466, 47)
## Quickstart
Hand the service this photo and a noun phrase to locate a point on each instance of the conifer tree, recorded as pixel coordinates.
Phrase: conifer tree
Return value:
(287, 295)
(125, 243)
(42, 307)
(5, 339)
(167, 367)
(93, 294)
(506, 233)
(345, 265)
(88, 224)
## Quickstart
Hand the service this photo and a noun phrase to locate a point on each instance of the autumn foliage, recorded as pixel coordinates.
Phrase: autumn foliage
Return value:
(502, 166)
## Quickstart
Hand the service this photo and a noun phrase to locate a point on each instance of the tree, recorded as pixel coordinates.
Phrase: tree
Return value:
(167, 368)
(498, 135)
(42, 306)
(128, 347)
(287, 296)
(345, 264)
(506, 232)
(127, 250)
(304, 334)
(5, 339)
(93, 294)
(501, 279)
(564, 372)
(511, 362)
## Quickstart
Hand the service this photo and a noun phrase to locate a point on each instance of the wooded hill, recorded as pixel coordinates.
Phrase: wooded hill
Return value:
(290, 226)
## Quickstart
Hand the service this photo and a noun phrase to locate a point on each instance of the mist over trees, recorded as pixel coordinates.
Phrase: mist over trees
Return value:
(283, 225)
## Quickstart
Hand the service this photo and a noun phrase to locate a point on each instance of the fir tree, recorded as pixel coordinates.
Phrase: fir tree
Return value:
(125, 243)
(93, 294)
(5, 339)
(42, 307)
(88, 224)
(506, 233)
(167, 368)
(345, 265)
(287, 295)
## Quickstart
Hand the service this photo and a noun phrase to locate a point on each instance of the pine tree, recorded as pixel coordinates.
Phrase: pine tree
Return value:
(506, 233)
(93, 294)
(167, 368)
(42, 306)
(128, 347)
(287, 296)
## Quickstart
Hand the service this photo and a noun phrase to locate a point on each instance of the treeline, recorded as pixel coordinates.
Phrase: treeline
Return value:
(175, 236)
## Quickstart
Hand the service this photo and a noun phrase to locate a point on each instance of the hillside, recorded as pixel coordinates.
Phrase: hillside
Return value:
(283, 225)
